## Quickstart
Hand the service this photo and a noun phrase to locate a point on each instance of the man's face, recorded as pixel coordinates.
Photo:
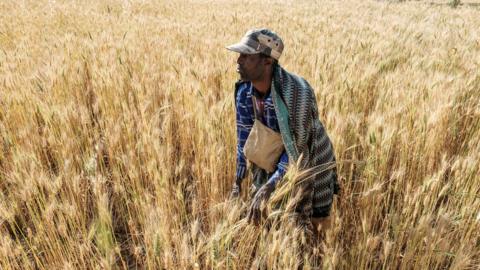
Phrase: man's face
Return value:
(251, 67)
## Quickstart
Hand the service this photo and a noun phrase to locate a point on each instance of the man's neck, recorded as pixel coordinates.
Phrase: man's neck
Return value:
(263, 85)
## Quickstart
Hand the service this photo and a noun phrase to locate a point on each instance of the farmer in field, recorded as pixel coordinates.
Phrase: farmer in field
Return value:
(277, 122)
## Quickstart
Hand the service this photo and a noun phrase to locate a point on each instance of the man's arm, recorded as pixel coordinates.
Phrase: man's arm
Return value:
(263, 194)
(244, 126)
(281, 169)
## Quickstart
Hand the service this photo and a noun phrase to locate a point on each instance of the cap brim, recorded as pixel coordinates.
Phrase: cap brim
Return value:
(241, 48)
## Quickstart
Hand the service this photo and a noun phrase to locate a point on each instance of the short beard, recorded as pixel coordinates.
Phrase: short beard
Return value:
(256, 78)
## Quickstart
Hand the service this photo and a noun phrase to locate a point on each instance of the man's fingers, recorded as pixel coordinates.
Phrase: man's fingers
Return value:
(252, 214)
(256, 216)
(236, 190)
(263, 213)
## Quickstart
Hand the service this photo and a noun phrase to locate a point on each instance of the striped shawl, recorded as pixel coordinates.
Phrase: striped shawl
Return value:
(303, 134)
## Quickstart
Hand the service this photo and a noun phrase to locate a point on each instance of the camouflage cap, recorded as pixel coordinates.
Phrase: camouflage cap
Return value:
(259, 41)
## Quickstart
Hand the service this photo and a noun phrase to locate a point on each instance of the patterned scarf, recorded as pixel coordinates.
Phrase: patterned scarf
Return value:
(304, 134)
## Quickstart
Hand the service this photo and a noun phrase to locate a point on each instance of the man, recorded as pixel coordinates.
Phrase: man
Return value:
(286, 104)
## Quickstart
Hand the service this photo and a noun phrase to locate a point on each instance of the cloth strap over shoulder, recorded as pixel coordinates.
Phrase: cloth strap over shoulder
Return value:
(264, 145)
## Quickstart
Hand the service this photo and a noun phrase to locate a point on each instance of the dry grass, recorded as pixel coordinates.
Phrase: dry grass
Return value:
(117, 134)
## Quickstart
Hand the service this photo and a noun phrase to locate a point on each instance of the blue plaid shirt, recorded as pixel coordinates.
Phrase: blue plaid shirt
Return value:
(245, 116)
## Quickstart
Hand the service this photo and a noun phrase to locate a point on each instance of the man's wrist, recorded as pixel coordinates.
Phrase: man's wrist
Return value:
(272, 182)
(240, 171)
(275, 178)
(238, 180)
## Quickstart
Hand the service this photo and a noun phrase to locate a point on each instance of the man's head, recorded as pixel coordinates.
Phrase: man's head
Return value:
(254, 67)
(259, 51)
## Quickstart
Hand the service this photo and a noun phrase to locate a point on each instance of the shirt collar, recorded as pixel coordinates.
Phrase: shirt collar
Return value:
(257, 94)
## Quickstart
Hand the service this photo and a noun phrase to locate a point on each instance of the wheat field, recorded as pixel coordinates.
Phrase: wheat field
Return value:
(118, 143)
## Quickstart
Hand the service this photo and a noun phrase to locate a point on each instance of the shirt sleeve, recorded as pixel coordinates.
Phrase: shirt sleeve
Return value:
(244, 125)
(281, 169)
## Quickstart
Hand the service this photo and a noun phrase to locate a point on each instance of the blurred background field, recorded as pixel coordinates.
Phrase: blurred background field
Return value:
(117, 133)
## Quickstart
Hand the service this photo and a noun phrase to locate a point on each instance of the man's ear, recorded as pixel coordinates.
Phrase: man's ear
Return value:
(268, 61)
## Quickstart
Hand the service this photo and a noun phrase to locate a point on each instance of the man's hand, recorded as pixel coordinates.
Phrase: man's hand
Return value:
(262, 196)
(236, 189)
